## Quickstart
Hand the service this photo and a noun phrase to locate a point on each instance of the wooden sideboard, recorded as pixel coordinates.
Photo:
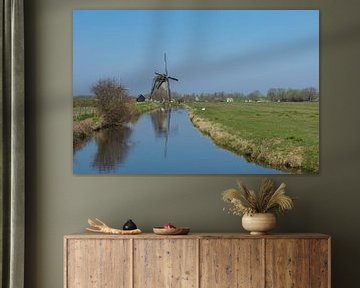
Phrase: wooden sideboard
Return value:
(197, 260)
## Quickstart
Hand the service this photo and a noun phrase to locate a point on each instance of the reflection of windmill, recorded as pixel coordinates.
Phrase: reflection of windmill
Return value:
(160, 119)
(162, 81)
(161, 123)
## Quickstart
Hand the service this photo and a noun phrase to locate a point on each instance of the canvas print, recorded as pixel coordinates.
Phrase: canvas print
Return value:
(196, 92)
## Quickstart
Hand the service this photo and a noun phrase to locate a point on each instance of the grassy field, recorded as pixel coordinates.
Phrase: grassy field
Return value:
(82, 113)
(87, 109)
(144, 107)
(281, 135)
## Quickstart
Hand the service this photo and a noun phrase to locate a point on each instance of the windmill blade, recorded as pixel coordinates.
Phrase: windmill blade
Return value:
(172, 78)
(167, 133)
(152, 88)
(159, 74)
(166, 71)
(168, 88)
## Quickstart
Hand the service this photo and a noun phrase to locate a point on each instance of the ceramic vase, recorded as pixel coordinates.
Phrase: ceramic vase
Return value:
(259, 223)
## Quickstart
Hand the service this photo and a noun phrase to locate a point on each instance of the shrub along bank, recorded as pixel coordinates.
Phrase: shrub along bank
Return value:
(88, 119)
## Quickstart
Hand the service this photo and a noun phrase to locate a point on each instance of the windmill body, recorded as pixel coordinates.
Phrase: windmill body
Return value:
(161, 85)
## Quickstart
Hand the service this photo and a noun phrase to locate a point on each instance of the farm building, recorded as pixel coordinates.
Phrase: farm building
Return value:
(140, 98)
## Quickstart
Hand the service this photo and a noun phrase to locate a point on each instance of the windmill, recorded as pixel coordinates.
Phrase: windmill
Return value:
(162, 79)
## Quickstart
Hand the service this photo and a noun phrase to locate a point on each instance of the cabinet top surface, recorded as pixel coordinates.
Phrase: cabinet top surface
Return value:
(87, 235)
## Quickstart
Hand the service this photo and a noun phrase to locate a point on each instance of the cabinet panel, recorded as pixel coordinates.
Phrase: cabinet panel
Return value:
(231, 263)
(165, 263)
(98, 263)
(319, 263)
(287, 263)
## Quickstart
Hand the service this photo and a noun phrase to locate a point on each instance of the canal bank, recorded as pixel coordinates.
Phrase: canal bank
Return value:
(90, 123)
(264, 152)
(159, 142)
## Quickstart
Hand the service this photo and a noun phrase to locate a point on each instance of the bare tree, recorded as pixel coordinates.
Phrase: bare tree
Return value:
(113, 103)
(311, 94)
(255, 95)
(293, 95)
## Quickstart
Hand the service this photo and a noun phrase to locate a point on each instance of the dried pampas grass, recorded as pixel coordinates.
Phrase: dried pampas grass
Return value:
(245, 201)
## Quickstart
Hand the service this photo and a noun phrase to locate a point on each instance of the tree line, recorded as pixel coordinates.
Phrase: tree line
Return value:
(293, 95)
(273, 94)
(110, 95)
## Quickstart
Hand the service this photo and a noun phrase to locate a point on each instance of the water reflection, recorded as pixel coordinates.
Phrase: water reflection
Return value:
(160, 142)
(160, 120)
(80, 143)
(113, 146)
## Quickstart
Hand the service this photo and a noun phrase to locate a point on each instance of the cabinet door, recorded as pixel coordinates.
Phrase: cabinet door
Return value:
(320, 263)
(287, 263)
(231, 263)
(165, 263)
(98, 263)
(297, 263)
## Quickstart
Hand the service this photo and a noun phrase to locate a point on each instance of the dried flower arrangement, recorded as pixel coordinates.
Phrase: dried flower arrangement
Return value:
(268, 200)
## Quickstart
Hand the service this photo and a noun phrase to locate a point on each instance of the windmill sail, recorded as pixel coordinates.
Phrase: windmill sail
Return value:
(160, 89)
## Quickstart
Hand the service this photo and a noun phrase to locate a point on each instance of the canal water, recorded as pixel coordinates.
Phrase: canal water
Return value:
(160, 142)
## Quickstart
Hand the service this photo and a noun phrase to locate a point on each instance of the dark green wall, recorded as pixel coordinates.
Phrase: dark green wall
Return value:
(59, 203)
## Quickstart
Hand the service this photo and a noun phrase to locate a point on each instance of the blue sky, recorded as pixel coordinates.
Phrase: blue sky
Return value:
(208, 50)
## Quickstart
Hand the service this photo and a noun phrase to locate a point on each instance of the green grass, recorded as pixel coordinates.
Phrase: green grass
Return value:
(87, 110)
(82, 113)
(143, 107)
(274, 129)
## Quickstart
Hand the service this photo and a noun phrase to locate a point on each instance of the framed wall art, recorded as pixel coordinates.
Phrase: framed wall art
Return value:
(195, 91)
